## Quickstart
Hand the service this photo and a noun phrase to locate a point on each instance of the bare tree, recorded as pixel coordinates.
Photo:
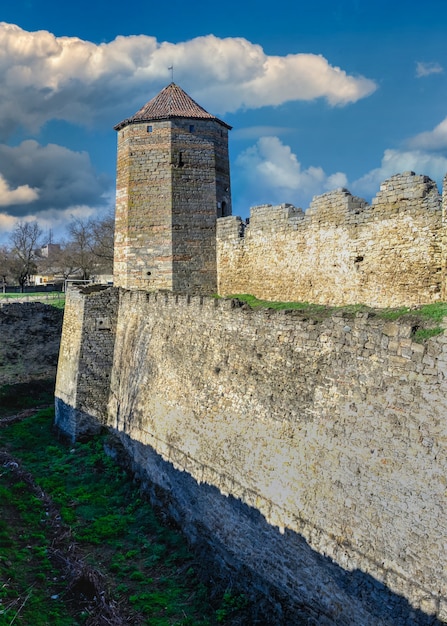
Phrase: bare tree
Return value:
(91, 245)
(79, 248)
(24, 241)
(5, 266)
(103, 230)
(89, 250)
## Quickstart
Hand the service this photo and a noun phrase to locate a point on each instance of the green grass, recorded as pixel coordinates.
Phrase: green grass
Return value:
(58, 303)
(21, 396)
(422, 317)
(28, 578)
(53, 298)
(422, 334)
(148, 566)
(32, 294)
(436, 311)
(301, 306)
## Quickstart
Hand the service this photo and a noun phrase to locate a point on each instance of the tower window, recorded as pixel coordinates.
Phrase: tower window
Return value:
(191, 128)
(149, 129)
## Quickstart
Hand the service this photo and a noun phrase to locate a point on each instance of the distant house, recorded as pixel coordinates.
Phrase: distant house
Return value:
(43, 279)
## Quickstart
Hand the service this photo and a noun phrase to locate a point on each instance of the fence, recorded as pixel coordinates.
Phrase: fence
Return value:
(45, 297)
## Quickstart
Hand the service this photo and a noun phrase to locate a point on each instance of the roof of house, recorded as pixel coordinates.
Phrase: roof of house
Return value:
(171, 102)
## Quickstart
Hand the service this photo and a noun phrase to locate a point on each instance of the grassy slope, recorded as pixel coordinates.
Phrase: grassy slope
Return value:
(78, 543)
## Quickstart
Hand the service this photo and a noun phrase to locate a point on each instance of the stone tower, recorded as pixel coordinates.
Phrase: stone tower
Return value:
(173, 181)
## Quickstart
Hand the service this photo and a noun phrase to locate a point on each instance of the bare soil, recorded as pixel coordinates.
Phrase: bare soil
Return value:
(30, 335)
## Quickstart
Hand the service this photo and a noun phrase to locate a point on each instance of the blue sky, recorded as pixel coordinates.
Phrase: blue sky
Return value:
(320, 95)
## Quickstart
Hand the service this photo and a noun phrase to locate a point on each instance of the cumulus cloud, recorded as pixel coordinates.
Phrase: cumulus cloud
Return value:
(23, 194)
(36, 178)
(50, 220)
(7, 224)
(46, 77)
(272, 173)
(397, 161)
(435, 139)
(426, 69)
(424, 154)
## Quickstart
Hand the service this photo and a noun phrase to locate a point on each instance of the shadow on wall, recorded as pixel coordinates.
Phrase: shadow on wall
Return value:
(286, 581)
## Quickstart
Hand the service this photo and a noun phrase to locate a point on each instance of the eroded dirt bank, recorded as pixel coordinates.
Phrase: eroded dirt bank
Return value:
(30, 336)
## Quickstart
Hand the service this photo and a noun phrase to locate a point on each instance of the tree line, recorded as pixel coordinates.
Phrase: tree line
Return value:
(87, 251)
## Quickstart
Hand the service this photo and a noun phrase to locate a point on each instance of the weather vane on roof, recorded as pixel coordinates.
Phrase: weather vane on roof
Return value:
(171, 67)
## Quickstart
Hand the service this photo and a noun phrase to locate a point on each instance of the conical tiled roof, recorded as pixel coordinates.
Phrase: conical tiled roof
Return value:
(171, 102)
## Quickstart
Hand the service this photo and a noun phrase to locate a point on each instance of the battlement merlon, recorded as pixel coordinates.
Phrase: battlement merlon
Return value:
(406, 192)
(342, 250)
(444, 200)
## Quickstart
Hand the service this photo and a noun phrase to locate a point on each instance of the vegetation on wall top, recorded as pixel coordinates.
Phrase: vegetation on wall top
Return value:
(426, 320)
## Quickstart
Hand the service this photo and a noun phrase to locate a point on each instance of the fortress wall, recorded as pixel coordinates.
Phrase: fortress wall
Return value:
(341, 251)
(85, 360)
(333, 430)
(444, 239)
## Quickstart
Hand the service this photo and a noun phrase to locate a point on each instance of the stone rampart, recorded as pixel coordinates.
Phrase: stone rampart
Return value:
(85, 360)
(341, 250)
(313, 451)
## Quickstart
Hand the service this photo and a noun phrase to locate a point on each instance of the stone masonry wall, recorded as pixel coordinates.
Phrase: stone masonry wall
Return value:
(342, 250)
(85, 360)
(330, 433)
(143, 220)
(173, 178)
(196, 189)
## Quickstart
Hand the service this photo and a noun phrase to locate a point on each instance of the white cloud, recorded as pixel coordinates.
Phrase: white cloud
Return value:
(272, 173)
(53, 220)
(435, 139)
(274, 80)
(63, 178)
(426, 69)
(57, 220)
(397, 161)
(23, 194)
(46, 77)
(7, 224)
(334, 181)
(421, 154)
(49, 184)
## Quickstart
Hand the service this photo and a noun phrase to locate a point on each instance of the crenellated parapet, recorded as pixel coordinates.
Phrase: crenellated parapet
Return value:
(444, 240)
(308, 451)
(342, 250)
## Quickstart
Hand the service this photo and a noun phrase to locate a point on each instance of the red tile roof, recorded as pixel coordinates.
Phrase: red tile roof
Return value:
(171, 102)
